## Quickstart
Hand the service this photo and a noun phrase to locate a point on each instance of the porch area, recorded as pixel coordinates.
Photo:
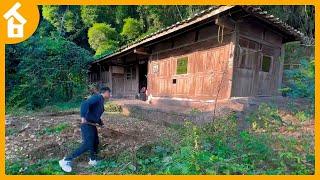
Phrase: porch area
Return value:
(126, 75)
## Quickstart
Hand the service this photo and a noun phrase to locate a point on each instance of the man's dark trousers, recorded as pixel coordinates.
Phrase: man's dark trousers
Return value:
(90, 142)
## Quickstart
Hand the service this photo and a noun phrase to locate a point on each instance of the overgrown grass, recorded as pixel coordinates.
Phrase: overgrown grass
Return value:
(219, 148)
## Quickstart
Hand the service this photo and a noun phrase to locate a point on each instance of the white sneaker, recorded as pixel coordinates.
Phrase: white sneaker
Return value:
(93, 162)
(65, 165)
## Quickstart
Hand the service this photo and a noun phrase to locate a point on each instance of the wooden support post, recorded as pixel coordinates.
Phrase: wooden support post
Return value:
(110, 77)
(281, 59)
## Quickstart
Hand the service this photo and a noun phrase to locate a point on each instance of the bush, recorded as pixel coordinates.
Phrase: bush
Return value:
(300, 82)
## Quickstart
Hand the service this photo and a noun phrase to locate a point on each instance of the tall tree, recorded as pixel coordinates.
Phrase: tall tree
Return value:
(97, 14)
(123, 12)
(132, 29)
(65, 19)
(156, 17)
(103, 38)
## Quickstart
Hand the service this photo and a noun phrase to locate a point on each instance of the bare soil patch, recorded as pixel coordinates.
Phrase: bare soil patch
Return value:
(24, 137)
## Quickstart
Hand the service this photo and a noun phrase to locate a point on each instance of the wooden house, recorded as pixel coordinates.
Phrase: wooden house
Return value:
(222, 52)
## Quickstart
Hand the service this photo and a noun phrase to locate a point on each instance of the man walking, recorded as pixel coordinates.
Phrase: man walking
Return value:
(90, 111)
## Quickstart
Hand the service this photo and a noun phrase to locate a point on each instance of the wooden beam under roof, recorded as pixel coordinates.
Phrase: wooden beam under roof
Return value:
(141, 51)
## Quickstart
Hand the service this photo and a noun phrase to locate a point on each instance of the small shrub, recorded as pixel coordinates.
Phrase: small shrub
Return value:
(112, 107)
(302, 116)
(224, 128)
(265, 118)
(194, 111)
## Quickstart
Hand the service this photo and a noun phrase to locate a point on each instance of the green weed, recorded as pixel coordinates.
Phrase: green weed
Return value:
(41, 167)
(57, 129)
(265, 118)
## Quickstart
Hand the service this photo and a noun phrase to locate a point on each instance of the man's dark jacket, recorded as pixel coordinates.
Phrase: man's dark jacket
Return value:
(92, 109)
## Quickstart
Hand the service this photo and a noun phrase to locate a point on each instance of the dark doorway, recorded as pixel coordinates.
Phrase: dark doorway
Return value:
(143, 71)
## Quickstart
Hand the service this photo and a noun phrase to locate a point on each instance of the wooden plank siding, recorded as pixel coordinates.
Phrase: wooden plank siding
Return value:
(248, 78)
(208, 66)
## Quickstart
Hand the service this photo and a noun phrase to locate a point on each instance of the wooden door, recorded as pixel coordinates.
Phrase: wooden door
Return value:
(117, 86)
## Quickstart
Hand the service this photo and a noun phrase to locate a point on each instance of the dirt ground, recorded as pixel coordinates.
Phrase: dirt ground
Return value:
(46, 136)
(26, 136)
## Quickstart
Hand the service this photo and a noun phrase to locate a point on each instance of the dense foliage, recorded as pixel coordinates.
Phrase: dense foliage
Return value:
(132, 29)
(64, 18)
(300, 81)
(299, 72)
(46, 70)
(102, 38)
(97, 14)
(129, 22)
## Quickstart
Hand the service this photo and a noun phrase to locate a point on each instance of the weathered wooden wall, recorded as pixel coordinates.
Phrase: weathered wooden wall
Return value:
(253, 43)
(100, 74)
(209, 65)
(123, 80)
(125, 84)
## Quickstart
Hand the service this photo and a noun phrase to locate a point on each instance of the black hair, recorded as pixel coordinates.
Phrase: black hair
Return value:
(104, 89)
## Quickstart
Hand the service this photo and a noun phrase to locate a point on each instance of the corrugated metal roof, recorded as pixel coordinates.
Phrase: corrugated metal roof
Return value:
(205, 14)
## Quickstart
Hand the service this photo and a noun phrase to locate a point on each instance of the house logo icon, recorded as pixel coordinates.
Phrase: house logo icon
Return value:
(15, 22)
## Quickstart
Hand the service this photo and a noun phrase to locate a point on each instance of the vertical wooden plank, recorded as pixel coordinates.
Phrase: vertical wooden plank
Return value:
(231, 53)
(110, 79)
(280, 75)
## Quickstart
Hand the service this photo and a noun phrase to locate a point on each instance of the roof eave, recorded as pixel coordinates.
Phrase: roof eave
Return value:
(170, 29)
